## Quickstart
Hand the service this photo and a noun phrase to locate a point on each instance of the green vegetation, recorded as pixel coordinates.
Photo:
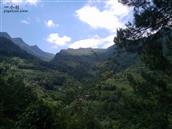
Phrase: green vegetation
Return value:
(32, 50)
(128, 86)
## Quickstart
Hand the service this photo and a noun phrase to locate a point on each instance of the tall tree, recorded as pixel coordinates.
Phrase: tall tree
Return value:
(149, 107)
(149, 16)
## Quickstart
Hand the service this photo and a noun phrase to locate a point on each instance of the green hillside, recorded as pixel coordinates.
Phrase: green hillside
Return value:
(9, 49)
(97, 101)
(32, 50)
(126, 86)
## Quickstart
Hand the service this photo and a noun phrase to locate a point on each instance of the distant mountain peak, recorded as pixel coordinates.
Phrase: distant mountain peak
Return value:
(19, 39)
(10, 49)
(33, 50)
(5, 34)
(35, 47)
(81, 51)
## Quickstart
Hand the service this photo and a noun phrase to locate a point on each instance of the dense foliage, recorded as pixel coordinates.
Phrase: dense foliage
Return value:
(130, 88)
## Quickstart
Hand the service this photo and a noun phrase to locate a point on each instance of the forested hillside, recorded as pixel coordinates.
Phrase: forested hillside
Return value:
(127, 86)
(33, 50)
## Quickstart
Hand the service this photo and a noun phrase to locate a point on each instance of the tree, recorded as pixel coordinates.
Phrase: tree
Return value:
(14, 98)
(37, 116)
(149, 15)
(149, 107)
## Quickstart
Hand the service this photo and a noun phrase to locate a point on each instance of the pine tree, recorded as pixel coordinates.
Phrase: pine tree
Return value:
(149, 106)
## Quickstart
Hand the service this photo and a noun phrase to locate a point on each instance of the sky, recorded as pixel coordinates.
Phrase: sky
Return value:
(53, 25)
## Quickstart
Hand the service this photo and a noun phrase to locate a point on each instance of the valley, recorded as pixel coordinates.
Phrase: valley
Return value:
(128, 85)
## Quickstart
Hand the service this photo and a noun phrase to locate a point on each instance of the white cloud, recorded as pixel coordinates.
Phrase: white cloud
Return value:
(12, 1)
(85, 43)
(109, 18)
(31, 2)
(117, 8)
(25, 22)
(51, 24)
(108, 41)
(55, 39)
(94, 42)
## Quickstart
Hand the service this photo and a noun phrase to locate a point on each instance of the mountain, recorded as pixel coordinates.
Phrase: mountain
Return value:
(33, 50)
(4, 34)
(121, 59)
(81, 63)
(86, 63)
(41, 54)
(9, 49)
(82, 51)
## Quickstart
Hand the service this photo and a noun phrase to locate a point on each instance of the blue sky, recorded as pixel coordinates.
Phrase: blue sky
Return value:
(59, 24)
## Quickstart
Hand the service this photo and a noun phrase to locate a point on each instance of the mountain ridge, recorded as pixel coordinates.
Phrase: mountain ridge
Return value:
(9, 49)
(86, 61)
(45, 56)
